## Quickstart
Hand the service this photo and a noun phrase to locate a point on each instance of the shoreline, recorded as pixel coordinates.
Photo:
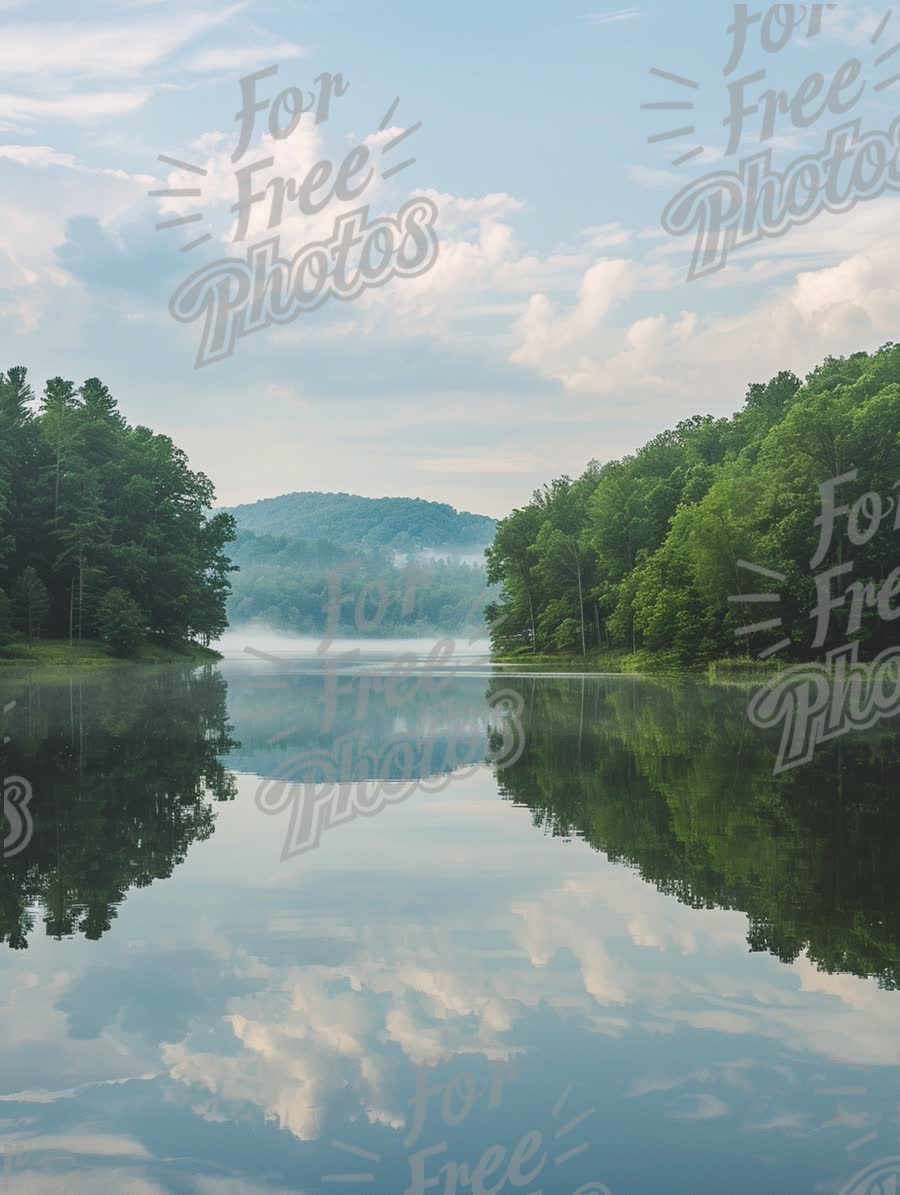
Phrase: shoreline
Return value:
(91, 655)
(621, 662)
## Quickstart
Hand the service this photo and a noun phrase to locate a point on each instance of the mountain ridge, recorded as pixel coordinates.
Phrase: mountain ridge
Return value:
(351, 520)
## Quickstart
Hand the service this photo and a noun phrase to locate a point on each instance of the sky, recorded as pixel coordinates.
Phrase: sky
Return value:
(558, 322)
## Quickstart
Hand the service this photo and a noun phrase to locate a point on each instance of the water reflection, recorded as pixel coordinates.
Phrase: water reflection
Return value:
(250, 1023)
(672, 780)
(667, 778)
(123, 768)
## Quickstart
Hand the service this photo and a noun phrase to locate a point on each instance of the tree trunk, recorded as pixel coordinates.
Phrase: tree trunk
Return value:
(58, 461)
(580, 605)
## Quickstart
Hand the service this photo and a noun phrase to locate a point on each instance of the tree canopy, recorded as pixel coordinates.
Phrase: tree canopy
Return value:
(647, 551)
(351, 521)
(89, 505)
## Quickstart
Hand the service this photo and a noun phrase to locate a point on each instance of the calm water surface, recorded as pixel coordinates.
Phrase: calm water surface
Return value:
(598, 947)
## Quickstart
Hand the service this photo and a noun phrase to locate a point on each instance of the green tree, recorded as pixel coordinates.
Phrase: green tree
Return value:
(511, 562)
(654, 546)
(90, 504)
(32, 602)
(563, 553)
(121, 622)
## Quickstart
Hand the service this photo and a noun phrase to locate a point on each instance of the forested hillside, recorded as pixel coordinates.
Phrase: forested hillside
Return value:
(645, 551)
(401, 524)
(291, 549)
(104, 528)
(291, 584)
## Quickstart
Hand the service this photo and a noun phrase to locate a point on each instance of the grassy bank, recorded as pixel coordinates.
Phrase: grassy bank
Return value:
(56, 653)
(657, 663)
(617, 660)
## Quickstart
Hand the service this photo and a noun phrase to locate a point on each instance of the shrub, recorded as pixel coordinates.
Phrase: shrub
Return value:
(121, 622)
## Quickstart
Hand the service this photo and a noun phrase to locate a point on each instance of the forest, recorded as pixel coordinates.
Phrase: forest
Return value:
(292, 584)
(105, 531)
(649, 553)
(420, 565)
(351, 521)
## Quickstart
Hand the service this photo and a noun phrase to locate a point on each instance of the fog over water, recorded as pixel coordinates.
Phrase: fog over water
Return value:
(257, 637)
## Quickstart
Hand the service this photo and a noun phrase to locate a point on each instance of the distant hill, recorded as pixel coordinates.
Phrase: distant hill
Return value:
(399, 524)
(288, 548)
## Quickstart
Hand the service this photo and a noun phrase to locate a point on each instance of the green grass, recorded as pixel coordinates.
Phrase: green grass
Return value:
(727, 670)
(645, 662)
(90, 655)
(743, 670)
(605, 660)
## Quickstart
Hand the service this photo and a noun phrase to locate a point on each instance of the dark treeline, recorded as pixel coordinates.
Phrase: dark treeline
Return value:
(104, 531)
(643, 552)
(670, 779)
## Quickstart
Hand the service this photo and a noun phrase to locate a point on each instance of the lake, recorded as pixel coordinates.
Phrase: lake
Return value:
(394, 925)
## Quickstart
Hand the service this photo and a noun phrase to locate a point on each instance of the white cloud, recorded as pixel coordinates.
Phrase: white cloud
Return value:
(244, 58)
(24, 110)
(92, 1144)
(818, 309)
(77, 49)
(104, 1180)
(646, 176)
(607, 236)
(44, 1096)
(701, 1106)
(543, 336)
(33, 222)
(854, 25)
(612, 18)
(44, 156)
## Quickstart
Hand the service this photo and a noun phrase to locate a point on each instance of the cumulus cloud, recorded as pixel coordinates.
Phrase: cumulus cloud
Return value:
(813, 310)
(33, 224)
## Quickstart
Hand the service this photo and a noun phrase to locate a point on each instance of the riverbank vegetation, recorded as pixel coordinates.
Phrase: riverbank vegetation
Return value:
(650, 553)
(105, 530)
(94, 654)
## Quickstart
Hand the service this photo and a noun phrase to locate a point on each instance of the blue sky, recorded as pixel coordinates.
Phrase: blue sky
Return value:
(557, 324)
